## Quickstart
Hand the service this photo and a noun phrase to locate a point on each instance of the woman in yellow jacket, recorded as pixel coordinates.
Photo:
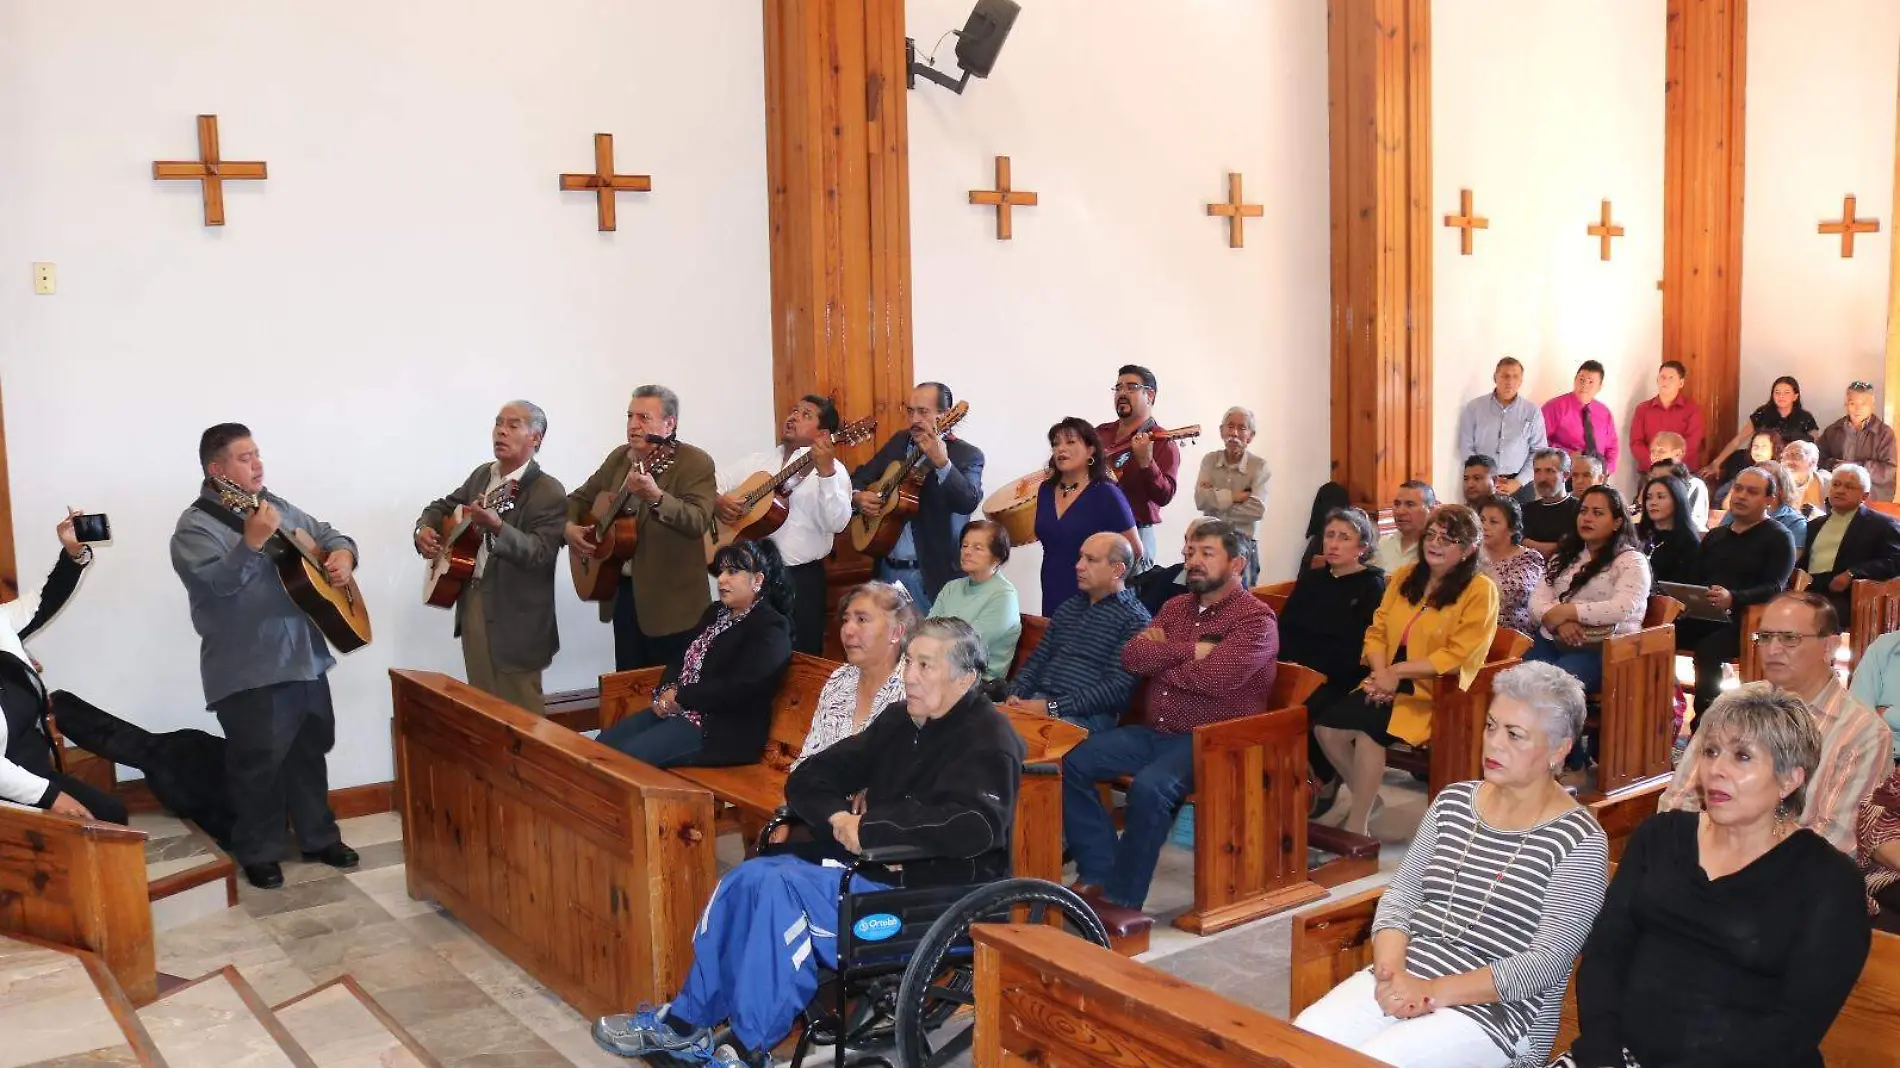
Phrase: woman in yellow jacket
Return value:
(1438, 616)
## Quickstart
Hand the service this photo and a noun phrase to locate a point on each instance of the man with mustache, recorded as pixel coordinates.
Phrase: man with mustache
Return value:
(1233, 484)
(1147, 473)
(1552, 513)
(929, 551)
(505, 615)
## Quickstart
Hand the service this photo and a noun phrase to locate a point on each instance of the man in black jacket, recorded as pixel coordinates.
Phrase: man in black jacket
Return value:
(1851, 541)
(1747, 562)
(927, 554)
(937, 773)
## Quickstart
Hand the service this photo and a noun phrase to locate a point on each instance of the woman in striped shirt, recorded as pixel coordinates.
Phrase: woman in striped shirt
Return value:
(1474, 938)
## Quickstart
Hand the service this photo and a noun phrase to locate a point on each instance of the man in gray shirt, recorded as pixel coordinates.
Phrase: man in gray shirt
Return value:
(263, 661)
(1504, 425)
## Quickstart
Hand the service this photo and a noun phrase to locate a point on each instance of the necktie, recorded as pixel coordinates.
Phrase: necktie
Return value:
(1589, 433)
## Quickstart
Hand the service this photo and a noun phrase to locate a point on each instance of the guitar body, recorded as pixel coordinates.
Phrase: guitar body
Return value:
(597, 577)
(877, 536)
(454, 566)
(758, 523)
(339, 612)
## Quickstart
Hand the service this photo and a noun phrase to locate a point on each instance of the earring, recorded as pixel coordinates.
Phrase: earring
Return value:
(1091, 461)
(756, 587)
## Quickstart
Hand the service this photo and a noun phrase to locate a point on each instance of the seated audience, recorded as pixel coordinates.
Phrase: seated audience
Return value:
(1781, 485)
(1437, 617)
(1803, 461)
(1075, 673)
(1859, 437)
(1877, 682)
(713, 706)
(1671, 412)
(1586, 470)
(1878, 839)
(1670, 542)
(1761, 448)
(1552, 513)
(1797, 638)
(1746, 561)
(1729, 936)
(1849, 541)
(768, 932)
(1324, 627)
(1474, 937)
(1782, 417)
(1481, 479)
(1668, 447)
(1411, 506)
(1503, 557)
(1577, 422)
(1079, 499)
(1594, 588)
(1208, 657)
(982, 596)
(875, 619)
(1233, 483)
(1504, 425)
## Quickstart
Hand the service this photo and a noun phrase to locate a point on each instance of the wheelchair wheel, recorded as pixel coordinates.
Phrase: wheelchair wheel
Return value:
(939, 982)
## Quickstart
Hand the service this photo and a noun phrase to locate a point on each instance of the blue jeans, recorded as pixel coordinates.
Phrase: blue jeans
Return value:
(1101, 721)
(1163, 767)
(912, 579)
(1585, 664)
(664, 742)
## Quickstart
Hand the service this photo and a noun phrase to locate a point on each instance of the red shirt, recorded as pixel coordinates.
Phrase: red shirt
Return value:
(1147, 488)
(1683, 417)
(1232, 681)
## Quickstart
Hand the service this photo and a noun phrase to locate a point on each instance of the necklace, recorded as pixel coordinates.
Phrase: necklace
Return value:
(1069, 487)
(1458, 873)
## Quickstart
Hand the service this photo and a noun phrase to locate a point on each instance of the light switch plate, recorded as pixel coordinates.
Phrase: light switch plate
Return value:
(45, 279)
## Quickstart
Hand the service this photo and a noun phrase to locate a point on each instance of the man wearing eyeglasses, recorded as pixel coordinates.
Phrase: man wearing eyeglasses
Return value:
(1147, 473)
(1798, 635)
(1859, 437)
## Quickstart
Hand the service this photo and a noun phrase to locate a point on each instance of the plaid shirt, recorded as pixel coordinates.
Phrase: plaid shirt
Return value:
(1856, 753)
(1233, 680)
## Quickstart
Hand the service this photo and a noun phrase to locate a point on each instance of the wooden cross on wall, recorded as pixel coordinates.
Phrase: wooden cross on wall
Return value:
(1236, 213)
(1604, 231)
(604, 183)
(1466, 222)
(1003, 198)
(211, 169)
(1847, 226)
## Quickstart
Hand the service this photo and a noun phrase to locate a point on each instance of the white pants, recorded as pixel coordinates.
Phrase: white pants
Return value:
(1350, 1016)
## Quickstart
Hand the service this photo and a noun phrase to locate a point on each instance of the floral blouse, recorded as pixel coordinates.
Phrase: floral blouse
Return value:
(1515, 576)
(837, 712)
(1612, 603)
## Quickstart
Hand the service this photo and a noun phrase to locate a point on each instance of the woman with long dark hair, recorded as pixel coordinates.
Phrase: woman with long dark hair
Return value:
(1666, 533)
(1596, 586)
(1079, 498)
(1782, 416)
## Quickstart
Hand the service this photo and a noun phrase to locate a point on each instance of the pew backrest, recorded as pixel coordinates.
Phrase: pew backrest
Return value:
(624, 693)
(1034, 627)
(1274, 595)
(1662, 609)
(79, 883)
(1874, 609)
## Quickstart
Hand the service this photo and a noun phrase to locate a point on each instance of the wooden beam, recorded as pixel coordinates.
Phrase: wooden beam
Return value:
(1379, 108)
(1890, 409)
(1704, 120)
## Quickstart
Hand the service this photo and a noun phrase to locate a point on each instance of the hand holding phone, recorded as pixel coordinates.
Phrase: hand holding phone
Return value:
(92, 527)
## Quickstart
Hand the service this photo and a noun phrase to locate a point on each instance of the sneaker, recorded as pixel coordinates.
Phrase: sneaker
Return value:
(728, 1057)
(645, 1033)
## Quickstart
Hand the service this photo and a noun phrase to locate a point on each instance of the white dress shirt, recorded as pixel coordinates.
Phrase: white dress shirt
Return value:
(17, 784)
(818, 507)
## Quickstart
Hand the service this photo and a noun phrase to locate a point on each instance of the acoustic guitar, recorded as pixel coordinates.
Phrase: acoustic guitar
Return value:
(454, 563)
(338, 611)
(1014, 505)
(765, 498)
(897, 491)
(616, 520)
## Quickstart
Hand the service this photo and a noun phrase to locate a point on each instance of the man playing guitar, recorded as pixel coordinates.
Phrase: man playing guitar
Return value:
(674, 510)
(505, 614)
(927, 553)
(263, 660)
(819, 507)
(1147, 475)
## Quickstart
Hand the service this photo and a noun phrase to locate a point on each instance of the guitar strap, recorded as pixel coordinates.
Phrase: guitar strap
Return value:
(231, 519)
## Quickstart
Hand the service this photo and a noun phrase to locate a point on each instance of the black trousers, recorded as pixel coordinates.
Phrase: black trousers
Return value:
(1713, 644)
(809, 618)
(276, 738)
(634, 648)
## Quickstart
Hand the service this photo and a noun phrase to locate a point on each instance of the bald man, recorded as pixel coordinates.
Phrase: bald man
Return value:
(1076, 672)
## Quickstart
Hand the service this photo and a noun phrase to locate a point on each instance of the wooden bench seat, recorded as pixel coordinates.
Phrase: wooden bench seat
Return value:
(1636, 709)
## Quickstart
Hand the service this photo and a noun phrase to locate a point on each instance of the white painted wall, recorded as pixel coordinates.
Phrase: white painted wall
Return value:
(1126, 117)
(409, 266)
(1543, 110)
(1821, 84)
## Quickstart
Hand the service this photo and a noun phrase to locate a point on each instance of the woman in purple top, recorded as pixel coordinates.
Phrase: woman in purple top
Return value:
(1078, 499)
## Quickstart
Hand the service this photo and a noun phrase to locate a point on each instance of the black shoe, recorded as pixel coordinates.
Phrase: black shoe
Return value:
(336, 856)
(265, 876)
(1324, 799)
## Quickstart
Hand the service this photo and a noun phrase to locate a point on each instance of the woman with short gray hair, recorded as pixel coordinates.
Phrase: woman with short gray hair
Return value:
(1733, 935)
(1474, 938)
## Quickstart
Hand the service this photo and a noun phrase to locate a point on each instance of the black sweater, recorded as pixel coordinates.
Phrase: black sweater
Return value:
(737, 682)
(1324, 624)
(1747, 971)
(948, 787)
(1753, 566)
(1672, 554)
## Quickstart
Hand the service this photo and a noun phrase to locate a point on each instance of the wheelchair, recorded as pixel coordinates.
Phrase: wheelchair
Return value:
(904, 986)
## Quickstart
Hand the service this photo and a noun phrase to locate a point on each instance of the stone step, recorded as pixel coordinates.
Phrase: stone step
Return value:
(343, 1027)
(60, 1007)
(220, 1020)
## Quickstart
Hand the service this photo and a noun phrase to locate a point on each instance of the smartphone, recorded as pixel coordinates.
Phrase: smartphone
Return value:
(93, 527)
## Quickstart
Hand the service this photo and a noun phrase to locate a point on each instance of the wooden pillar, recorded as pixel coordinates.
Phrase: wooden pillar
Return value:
(1703, 128)
(1890, 374)
(1379, 106)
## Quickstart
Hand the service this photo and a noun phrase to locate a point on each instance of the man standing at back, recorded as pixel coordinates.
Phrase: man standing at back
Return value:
(1504, 425)
(1577, 422)
(1670, 410)
(928, 551)
(1147, 471)
(1859, 437)
(264, 662)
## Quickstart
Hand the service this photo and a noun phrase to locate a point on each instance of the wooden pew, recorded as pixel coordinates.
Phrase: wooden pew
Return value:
(1748, 665)
(79, 883)
(583, 866)
(754, 791)
(1034, 627)
(1044, 997)
(1456, 751)
(1875, 611)
(1274, 595)
(1637, 705)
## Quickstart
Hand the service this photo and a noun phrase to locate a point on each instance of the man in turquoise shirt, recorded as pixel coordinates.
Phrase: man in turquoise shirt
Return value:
(1877, 681)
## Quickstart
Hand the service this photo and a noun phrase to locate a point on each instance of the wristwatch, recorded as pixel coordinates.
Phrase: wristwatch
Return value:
(1052, 705)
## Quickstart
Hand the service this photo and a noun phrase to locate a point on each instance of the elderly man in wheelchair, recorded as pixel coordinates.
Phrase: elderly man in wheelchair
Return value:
(899, 822)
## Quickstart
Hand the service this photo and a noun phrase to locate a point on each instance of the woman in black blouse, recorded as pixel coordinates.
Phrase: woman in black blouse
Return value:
(1730, 937)
(1324, 624)
(1665, 531)
(1782, 416)
(713, 706)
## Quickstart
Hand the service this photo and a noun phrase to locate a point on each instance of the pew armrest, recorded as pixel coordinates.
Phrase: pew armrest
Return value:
(622, 693)
(897, 854)
(1330, 944)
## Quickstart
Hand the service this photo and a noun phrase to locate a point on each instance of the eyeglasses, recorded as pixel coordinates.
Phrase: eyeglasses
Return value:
(1439, 537)
(1785, 639)
(1129, 388)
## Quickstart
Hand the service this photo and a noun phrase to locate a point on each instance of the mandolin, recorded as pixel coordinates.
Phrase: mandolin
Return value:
(616, 520)
(1014, 505)
(897, 490)
(338, 611)
(454, 563)
(766, 498)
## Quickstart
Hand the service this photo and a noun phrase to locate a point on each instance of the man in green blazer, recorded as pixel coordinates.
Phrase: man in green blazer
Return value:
(674, 511)
(505, 615)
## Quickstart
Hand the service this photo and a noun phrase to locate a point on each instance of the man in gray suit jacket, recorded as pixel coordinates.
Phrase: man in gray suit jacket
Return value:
(505, 615)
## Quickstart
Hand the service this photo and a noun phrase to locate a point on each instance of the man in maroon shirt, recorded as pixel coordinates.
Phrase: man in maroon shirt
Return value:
(1209, 656)
(1146, 470)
